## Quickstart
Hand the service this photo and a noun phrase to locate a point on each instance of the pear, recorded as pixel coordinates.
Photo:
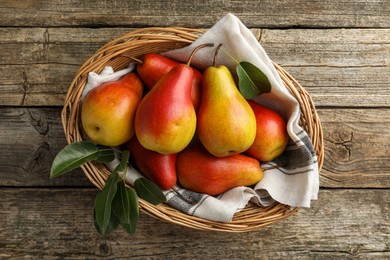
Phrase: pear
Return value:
(226, 122)
(165, 121)
(153, 66)
(200, 171)
(271, 134)
(108, 111)
(159, 168)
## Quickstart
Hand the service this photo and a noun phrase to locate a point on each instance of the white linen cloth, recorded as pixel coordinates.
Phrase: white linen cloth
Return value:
(294, 184)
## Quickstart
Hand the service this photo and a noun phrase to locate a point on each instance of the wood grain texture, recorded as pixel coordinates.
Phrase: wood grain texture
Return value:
(40, 63)
(141, 13)
(339, 67)
(57, 223)
(30, 138)
(356, 141)
(357, 147)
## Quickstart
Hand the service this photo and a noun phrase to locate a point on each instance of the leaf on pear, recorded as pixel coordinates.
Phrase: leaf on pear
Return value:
(251, 80)
(149, 191)
(72, 156)
(103, 202)
(125, 207)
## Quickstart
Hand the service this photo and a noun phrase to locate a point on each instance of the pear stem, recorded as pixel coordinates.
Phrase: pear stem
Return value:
(196, 49)
(215, 54)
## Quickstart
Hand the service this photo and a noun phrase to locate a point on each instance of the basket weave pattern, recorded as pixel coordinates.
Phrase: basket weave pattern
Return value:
(139, 42)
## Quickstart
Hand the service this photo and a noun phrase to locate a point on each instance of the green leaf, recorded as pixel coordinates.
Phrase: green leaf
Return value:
(112, 225)
(129, 228)
(72, 156)
(125, 207)
(105, 154)
(251, 80)
(103, 202)
(149, 191)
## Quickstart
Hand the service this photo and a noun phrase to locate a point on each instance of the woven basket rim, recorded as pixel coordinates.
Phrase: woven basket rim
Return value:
(158, 39)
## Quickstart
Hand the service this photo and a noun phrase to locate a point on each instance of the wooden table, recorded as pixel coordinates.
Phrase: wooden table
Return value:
(339, 51)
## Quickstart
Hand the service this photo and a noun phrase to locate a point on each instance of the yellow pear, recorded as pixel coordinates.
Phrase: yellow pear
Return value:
(226, 122)
(108, 111)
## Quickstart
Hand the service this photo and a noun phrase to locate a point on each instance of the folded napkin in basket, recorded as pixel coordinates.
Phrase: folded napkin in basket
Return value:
(294, 184)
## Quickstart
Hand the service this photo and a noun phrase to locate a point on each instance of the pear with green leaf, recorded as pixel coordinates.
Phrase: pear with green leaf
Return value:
(226, 122)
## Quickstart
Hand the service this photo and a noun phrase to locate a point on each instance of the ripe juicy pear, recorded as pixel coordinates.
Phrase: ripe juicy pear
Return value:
(199, 171)
(226, 122)
(154, 66)
(271, 134)
(108, 111)
(165, 120)
(159, 168)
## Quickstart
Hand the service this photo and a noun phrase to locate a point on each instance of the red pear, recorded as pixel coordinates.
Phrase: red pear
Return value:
(159, 168)
(153, 67)
(200, 171)
(165, 121)
(271, 133)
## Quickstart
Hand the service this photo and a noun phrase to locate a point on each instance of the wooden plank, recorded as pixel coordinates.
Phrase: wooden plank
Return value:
(356, 142)
(57, 223)
(30, 140)
(35, 84)
(338, 67)
(40, 63)
(140, 13)
(357, 147)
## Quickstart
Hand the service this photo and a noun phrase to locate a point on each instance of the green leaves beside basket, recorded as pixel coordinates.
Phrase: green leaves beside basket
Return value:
(117, 203)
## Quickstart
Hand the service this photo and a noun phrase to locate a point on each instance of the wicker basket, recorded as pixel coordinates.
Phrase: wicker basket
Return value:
(148, 40)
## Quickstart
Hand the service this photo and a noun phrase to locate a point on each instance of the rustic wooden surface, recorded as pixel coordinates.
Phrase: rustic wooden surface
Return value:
(339, 51)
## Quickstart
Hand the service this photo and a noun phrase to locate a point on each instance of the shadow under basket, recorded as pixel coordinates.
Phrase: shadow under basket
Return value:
(139, 42)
